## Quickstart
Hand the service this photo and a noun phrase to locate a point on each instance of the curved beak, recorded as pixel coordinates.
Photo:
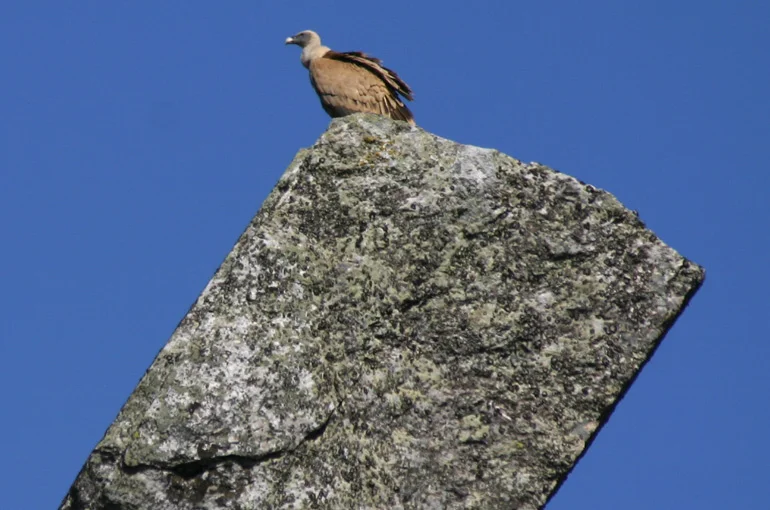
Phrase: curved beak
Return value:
(289, 40)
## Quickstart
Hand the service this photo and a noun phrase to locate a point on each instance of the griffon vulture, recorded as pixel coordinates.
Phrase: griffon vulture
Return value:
(352, 82)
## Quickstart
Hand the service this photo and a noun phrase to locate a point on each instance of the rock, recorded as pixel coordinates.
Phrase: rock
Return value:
(407, 323)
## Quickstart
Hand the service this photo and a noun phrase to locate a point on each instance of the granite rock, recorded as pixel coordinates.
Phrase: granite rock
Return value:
(408, 322)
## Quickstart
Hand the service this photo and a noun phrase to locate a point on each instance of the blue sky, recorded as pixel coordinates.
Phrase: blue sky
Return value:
(137, 140)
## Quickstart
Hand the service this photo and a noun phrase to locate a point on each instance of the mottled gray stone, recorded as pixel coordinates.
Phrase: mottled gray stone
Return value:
(407, 323)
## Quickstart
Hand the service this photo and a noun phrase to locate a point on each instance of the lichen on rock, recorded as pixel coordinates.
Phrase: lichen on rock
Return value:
(406, 323)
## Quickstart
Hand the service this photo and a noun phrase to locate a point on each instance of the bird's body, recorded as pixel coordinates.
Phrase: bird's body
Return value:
(352, 82)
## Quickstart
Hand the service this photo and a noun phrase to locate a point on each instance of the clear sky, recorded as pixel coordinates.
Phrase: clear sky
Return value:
(138, 138)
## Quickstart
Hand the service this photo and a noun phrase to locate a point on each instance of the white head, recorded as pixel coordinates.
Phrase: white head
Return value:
(310, 44)
(304, 39)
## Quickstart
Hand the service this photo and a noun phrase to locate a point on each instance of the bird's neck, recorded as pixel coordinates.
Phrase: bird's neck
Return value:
(312, 52)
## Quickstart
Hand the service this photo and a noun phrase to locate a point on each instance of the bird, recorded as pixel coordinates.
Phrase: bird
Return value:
(353, 81)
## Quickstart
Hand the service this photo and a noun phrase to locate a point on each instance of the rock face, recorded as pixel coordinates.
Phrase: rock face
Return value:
(407, 323)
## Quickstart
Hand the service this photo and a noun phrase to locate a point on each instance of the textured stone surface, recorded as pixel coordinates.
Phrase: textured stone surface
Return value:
(407, 323)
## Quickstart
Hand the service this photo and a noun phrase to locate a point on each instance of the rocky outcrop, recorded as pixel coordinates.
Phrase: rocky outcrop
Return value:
(406, 323)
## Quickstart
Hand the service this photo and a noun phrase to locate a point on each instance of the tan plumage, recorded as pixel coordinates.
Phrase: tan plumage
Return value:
(352, 82)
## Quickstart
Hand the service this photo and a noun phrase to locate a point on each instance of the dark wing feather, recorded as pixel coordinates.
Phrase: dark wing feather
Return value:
(373, 64)
(350, 83)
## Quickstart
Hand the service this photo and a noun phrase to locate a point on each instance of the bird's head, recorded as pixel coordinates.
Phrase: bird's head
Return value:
(304, 38)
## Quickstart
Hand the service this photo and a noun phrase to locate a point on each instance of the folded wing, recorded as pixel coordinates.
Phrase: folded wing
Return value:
(355, 82)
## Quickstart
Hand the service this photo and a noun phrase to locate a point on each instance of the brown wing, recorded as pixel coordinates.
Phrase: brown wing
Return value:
(374, 65)
(358, 84)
